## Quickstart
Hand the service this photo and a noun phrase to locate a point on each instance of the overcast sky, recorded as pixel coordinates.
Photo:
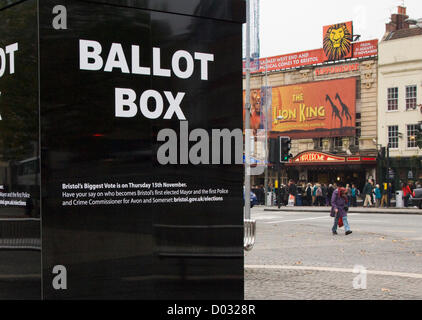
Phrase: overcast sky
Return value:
(288, 26)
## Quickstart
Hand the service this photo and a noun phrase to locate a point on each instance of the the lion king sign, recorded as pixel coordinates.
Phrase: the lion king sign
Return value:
(316, 109)
(337, 43)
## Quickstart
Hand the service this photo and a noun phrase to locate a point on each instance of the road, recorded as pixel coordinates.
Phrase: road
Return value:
(297, 257)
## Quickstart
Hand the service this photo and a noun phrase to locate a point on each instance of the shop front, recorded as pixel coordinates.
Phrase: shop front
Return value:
(326, 168)
(402, 169)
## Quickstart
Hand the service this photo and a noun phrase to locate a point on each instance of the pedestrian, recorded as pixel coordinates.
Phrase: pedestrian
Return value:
(384, 193)
(389, 193)
(309, 194)
(330, 193)
(354, 193)
(318, 195)
(314, 189)
(292, 190)
(406, 194)
(324, 195)
(339, 210)
(377, 192)
(367, 193)
(349, 194)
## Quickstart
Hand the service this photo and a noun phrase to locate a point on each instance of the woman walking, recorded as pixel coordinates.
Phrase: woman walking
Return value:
(339, 210)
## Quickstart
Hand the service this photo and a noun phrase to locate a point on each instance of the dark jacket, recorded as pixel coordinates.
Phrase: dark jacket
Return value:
(309, 192)
(324, 191)
(339, 203)
(330, 192)
(293, 189)
(367, 189)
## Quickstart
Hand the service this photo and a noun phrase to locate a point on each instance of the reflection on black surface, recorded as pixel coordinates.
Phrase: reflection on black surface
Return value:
(146, 251)
(20, 256)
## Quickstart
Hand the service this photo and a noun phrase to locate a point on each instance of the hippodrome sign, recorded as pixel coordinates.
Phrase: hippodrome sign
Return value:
(337, 69)
(317, 157)
(322, 158)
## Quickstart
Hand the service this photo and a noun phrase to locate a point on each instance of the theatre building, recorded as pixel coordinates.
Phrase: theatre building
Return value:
(325, 100)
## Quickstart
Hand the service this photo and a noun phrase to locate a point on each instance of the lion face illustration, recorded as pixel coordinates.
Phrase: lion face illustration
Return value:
(337, 42)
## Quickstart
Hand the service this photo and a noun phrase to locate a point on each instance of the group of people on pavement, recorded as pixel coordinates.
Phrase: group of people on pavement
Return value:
(341, 198)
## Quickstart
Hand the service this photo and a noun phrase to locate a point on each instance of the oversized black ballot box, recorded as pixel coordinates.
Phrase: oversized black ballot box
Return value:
(120, 128)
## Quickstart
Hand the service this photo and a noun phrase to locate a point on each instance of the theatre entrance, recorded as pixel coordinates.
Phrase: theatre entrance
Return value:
(340, 175)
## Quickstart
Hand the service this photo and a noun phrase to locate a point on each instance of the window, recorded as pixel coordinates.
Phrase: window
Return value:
(358, 130)
(411, 135)
(410, 97)
(358, 89)
(338, 142)
(357, 136)
(318, 143)
(393, 99)
(393, 137)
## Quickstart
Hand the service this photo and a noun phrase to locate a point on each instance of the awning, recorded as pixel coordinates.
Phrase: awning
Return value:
(312, 158)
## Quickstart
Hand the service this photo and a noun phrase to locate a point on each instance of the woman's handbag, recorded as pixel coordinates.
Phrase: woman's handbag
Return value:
(340, 222)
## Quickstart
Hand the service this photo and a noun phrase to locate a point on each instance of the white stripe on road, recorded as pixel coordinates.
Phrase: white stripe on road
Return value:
(379, 273)
(304, 219)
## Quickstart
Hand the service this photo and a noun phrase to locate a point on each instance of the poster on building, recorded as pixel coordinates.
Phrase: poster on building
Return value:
(365, 49)
(260, 100)
(314, 110)
(337, 41)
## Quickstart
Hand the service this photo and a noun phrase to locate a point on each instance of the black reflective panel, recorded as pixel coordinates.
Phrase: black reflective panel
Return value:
(231, 10)
(97, 166)
(20, 246)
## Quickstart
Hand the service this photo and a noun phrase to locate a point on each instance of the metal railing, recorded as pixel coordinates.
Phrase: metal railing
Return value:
(249, 235)
(21, 233)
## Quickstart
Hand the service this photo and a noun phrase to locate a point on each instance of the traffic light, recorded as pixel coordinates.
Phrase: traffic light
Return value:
(285, 145)
(273, 151)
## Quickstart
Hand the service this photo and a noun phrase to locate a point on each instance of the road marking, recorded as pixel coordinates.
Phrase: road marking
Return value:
(345, 270)
(304, 219)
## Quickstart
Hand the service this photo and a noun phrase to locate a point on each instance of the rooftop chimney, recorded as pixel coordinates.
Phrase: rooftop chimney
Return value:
(398, 20)
(402, 10)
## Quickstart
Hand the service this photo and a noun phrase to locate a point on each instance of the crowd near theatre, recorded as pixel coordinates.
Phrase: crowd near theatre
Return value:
(341, 105)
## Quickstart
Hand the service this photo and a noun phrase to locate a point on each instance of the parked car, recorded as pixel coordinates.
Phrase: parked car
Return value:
(254, 199)
(417, 199)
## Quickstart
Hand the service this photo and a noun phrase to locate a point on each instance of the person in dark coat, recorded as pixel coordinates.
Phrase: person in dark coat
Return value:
(292, 190)
(309, 195)
(324, 195)
(338, 209)
(390, 193)
(330, 193)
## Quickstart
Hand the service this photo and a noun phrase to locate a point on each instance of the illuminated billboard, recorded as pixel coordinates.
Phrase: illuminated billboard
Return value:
(317, 109)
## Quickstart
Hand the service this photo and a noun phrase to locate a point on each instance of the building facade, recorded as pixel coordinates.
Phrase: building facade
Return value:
(400, 97)
(337, 153)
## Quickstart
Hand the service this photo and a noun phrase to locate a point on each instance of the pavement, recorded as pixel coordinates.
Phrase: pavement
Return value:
(296, 257)
(390, 210)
